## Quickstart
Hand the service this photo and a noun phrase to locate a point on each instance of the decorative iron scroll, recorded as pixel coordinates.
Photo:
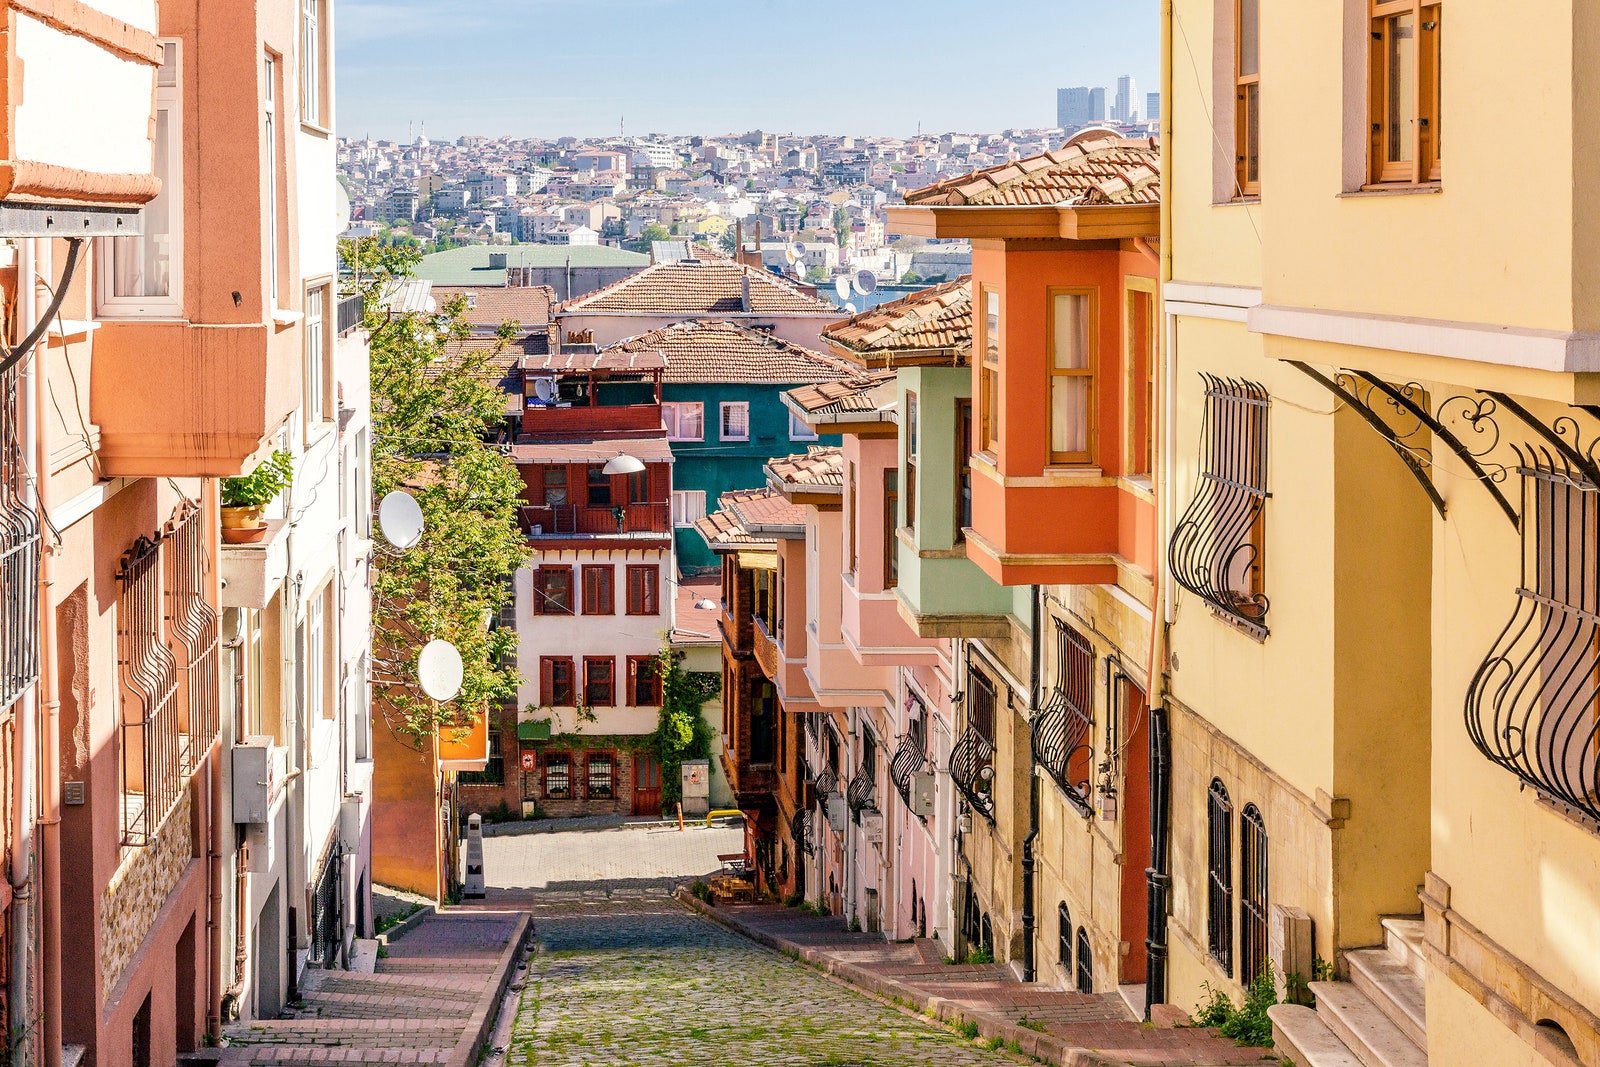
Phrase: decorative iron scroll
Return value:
(1533, 706)
(908, 760)
(861, 794)
(972, 771)
(1215, 551)
(800, 831)
(152, 756)
(827, 784)
(19, 560)
(1063, 729)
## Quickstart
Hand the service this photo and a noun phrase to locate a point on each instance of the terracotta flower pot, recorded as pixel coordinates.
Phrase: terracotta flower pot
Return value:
(248, 536)
(241, 518)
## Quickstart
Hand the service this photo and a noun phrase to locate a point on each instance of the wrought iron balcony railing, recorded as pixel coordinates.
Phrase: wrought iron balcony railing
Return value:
(802, 829)
(827, 784)
(1061, 745)
(972, 771)
(908, 759)
(1533, 706)
(861, 794)
(600, 521)
(1215, 551)
(349, 312)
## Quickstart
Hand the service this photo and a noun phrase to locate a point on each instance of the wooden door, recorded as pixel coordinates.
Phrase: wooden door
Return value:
(646, 784)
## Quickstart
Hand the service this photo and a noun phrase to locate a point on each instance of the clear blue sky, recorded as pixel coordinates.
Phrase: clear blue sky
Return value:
(547, 68)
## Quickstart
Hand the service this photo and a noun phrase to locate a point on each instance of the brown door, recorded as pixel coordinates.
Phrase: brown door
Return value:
(646, 784)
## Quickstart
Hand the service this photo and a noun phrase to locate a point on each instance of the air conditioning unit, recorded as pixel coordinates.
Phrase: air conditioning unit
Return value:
(838, 813)
(256, 778)
(350, 821)
(922, 795)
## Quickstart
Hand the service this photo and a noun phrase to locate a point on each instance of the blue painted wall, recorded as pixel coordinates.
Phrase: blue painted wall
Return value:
(716, 466)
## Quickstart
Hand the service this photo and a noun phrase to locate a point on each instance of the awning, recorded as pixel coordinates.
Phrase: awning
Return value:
(645, 449)
(533, 731)
(758, 561)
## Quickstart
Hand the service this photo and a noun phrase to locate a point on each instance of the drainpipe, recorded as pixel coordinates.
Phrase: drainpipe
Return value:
(1033, 803)
(210, 500)
(24, 738)
(49, 702)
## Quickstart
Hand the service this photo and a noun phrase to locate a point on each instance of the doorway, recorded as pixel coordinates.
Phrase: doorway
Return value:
(266, 950)
(646, 784)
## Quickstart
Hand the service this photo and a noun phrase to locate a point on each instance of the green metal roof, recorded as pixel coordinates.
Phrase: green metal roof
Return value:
(470, 265)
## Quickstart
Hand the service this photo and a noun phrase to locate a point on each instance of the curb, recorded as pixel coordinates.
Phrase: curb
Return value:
(1044, 1047)
(481, 1021)
(406, 925)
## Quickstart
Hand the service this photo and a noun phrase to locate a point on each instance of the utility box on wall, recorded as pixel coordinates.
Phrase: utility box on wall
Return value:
(922, 796)
(695, 778)
(255, 779)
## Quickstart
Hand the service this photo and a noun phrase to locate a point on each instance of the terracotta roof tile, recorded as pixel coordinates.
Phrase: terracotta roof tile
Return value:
(1102, 168)
(863, 394)
(529, 306)
(764, 508)
(505, 361)
(710, 287)
(609, 359)
(701, 350)
(722, 529)
(933, 320)
(819, 466)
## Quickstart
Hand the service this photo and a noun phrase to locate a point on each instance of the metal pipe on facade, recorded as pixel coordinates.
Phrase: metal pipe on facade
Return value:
(50, 706)
(1028, 970)
(23, 739)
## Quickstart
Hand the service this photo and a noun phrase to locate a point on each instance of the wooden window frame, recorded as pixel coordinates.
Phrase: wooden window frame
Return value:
(913, 444)
(1090, 371)
(988, 405)
(603, 600)
(1244, 83)
(852, 512)
(610, 698)
(650, 590)
(543, 602)
(963, 469)
(592, 484)
(547, 681)
(1424, 167)
(891, 509)
(638, 697)
(1139, 392)
(563, 483)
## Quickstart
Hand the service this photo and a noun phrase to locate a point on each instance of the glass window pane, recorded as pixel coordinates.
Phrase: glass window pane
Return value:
(991, 328)
(1069, 414)
(1402, 64)
(1252, 133)
(142, 266)
(1072, 332)
(1249, 36)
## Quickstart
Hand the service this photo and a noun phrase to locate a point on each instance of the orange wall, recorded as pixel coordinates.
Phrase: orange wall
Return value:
(405, 814)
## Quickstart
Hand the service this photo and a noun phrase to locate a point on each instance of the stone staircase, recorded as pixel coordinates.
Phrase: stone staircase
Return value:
(415, 1007)
(1376, 1019)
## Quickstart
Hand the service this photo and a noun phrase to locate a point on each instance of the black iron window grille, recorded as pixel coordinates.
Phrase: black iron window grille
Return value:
(1533, 706)
(19, 560)
(862, 793)
(494, 771)
(1219, 881)
(1253, 895)
(1085, 962)
(971, 924)
(1064, 728)
(972, 771)
(327, 912)
(192, 626)
(827, 784)
(908, 761)
(800, 830)
(1217, 547)
(152, 745)
(1063, 935)
(986, 935)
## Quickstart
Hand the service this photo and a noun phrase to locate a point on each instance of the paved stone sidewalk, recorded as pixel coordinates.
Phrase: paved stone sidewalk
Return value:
(660, 857)
(1055, 1025)
(643, 982)
(429, 1002)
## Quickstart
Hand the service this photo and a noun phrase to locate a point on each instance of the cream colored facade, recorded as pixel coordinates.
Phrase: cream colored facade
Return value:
(1346, 723)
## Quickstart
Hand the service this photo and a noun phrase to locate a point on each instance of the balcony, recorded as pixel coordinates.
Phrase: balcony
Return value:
(908, 760)
(768, 655)
(1061, 745)
(972, 771)
(542, 419)
(861, 794)
(649, 521)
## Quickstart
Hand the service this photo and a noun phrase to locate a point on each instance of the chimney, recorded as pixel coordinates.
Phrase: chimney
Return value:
(744, 291)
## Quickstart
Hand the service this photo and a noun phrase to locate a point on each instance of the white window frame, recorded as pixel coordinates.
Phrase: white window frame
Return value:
(314, 342)
(270, 113)
(799, 430)
(722, 423)
(311, 77)
(672, 413)
(316, 661)
(688, 507)
(169, 98)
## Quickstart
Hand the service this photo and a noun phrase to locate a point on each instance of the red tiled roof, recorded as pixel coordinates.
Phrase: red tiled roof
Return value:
(709, 350)
(713, 287)
(1102, 168)
(936, 319)
(610, 359)
(765, 508)
(722, 529)
(860, 394)
(820, 466)
(504, 362)
(529, 305)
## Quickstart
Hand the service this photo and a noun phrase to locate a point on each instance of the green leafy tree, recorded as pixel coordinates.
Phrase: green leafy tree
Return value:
(432, 405)
(729, 241)
(841, 223)
(682, 733)
(653, 232)
(817, 275)
(910, 277)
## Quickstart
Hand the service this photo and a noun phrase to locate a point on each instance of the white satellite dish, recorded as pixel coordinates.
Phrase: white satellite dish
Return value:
(400, 519)
(851, 308)
(799, 249)
(788, 254)
(544, 389)
(439, 670)
(866, 282)
(841, 285)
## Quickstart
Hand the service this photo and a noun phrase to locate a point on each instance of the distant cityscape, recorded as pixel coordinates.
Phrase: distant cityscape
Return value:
(1083, 105)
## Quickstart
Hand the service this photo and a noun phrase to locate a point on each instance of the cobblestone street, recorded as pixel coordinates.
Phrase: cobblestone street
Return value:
(639, 980)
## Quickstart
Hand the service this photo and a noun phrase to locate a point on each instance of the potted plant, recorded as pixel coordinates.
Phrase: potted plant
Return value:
(244, 497)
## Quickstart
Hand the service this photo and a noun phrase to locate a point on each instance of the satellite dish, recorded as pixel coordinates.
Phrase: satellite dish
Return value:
(544, 389)
(788, 254)
(851, 308)
(341, 211)
(400, 519)
(866, 282)
(841, 285)
(439, 670)
(799, 249)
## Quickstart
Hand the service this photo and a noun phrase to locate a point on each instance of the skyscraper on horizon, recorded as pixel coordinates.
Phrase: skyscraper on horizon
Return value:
(1152, 107)
(1123, 107)
(1072, 107)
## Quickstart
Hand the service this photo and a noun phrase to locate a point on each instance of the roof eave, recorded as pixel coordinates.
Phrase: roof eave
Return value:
(1084, 222)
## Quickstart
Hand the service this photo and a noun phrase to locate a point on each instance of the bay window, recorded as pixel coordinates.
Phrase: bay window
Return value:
(144, 275)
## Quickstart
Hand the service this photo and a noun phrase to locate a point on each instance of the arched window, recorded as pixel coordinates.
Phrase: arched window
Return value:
(1219, 889)
(1085, 963)
(1253, 896)
(1064, 935)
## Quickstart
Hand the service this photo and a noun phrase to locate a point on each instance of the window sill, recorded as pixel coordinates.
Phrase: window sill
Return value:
(1238, 201)
(1393, 189)
(315, 130)
(284, 319)
(1140, 486)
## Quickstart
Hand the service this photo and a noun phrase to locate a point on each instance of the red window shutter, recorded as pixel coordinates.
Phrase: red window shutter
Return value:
(633, 677)
(547, 681)
(538, 591)
(652, 579)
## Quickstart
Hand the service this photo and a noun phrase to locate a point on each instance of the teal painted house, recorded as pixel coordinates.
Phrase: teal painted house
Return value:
(722, 403)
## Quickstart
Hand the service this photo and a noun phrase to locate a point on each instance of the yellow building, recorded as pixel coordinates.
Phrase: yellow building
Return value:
(1380, 594)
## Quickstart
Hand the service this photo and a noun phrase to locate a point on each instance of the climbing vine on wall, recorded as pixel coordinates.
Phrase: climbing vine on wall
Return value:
(682, 733)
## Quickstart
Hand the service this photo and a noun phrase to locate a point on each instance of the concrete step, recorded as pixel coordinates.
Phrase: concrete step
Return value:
(1402, 936)
(390, 1006)
(1364, 1028)
(1394, 987)
(360, 1033)
(448, 987)
(1299, 1035)
(1133, 996)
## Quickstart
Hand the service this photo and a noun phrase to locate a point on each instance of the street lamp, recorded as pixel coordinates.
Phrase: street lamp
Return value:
(622, 463)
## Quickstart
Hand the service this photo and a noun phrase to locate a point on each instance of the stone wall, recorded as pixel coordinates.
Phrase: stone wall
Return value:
(135, 894)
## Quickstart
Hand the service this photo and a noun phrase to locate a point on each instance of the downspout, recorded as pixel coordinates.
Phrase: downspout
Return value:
(209, 500)
(50, 705)
(23, 737)
(232, 998)
(1033, 803)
